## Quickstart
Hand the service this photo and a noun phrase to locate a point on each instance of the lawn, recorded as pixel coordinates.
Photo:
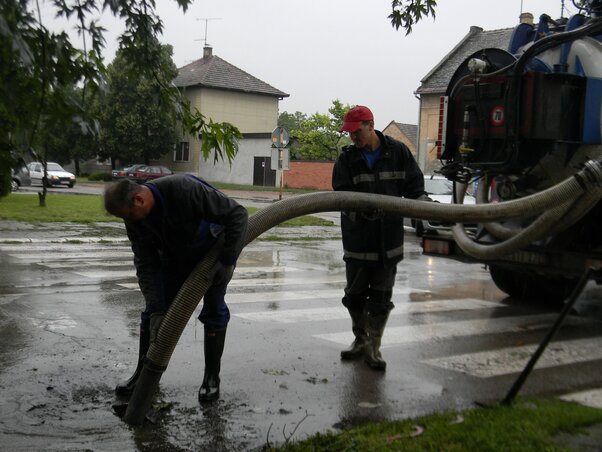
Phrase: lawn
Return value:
(528, 425)
(87, 209)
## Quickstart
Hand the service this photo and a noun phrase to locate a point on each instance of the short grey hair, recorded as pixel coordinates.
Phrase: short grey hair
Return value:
(120, 195)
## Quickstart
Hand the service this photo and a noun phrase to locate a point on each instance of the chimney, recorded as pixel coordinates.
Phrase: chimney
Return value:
(526, 18)
(207, 52)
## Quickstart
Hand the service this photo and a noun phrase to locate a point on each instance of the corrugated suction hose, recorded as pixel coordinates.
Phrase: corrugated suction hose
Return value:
(198, 282)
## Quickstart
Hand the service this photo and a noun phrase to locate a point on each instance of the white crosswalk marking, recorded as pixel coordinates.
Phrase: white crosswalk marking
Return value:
(447, 330)
(591, 398)
(339, 312)
(236, 282)
(117, 263)
(108, 274)
(83, 256)
(316, 299)
(509, 360)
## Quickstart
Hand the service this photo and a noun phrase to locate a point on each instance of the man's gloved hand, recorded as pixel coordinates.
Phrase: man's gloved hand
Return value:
(155, 324)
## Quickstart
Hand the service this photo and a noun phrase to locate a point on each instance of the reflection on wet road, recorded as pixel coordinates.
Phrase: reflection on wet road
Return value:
(69, 315)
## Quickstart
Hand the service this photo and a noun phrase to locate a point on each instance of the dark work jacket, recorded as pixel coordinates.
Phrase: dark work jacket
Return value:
(185, 222)
(376, 237)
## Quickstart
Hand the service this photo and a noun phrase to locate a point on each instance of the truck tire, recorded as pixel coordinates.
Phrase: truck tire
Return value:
(530, 286)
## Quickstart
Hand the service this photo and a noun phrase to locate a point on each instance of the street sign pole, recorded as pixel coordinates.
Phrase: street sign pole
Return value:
(280, 139)
(281, 172)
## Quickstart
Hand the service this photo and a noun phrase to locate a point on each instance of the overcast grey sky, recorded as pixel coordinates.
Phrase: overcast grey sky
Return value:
(320, 50)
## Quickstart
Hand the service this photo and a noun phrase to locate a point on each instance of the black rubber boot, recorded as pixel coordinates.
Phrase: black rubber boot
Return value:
(214, 347)
(358, 326)
(375, 326)
(126, 388)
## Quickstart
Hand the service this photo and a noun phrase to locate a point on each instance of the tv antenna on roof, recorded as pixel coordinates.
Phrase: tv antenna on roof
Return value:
(206, 19)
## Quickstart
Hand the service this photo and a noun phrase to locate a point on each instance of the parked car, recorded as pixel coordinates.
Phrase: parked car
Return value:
(149, 172)
(123, 172)
(56, 174)
(439, 189)
(20, 177)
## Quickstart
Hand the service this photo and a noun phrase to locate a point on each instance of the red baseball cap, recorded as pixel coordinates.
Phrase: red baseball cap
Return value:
(354, 117)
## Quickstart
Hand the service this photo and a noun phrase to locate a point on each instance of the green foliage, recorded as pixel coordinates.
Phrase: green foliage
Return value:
(220, 137)
(138, 121)
(527, 426)
(318, 137)
(291, 121)
(406, 13)
(105, 177)
(40, 68)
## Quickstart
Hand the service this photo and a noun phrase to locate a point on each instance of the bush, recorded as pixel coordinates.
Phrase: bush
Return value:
(106, 177)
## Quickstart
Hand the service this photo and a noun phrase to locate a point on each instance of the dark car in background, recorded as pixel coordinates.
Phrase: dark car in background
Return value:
(149, 173)
(117, 174)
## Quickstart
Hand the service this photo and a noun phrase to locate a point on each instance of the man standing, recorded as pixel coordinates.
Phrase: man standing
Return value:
(372, 242)
(172, 222)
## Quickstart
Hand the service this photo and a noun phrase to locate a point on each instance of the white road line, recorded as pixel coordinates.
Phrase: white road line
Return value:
(510, 360)
(131, 286)
(71, 264)
(248, 282)
(67, 257)
(447, 330)
(241, 269)
(108, 274)
(591, 398)
(60, 248)
(339, 312)
(289, 295)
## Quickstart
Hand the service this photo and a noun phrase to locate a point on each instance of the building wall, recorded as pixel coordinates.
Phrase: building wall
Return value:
(251, 113)
(241, 171)
(315, 175)
(394, 132)
(429, 128)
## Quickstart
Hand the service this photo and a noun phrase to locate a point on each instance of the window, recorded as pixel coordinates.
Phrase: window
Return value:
(182, 153)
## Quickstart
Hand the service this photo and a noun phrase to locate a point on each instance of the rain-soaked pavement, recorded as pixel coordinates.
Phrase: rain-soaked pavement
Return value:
(69, 310)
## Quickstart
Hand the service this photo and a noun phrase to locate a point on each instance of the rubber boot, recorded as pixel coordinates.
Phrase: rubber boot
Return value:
(358, 326)
(214, 347)
(375, 325)
(127, 387)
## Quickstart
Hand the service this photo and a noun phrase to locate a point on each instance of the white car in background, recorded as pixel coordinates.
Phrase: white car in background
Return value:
(56, 174)
(439, 189)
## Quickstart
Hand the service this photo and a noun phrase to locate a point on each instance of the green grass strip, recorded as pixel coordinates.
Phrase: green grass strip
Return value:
(89, 209)
(528, 425)
(59, 208)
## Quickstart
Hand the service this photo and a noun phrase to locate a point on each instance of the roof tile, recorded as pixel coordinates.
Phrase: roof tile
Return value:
(437, 79)
(214, 72)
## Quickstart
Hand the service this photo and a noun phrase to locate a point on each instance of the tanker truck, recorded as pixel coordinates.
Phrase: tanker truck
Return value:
(516, 122)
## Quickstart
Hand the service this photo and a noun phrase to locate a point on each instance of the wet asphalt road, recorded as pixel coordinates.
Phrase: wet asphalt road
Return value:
(69, 314)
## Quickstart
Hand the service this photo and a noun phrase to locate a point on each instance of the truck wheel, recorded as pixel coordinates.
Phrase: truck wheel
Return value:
(529, 286)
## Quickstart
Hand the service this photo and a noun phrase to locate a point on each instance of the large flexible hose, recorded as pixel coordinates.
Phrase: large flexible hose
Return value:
(198, 282)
